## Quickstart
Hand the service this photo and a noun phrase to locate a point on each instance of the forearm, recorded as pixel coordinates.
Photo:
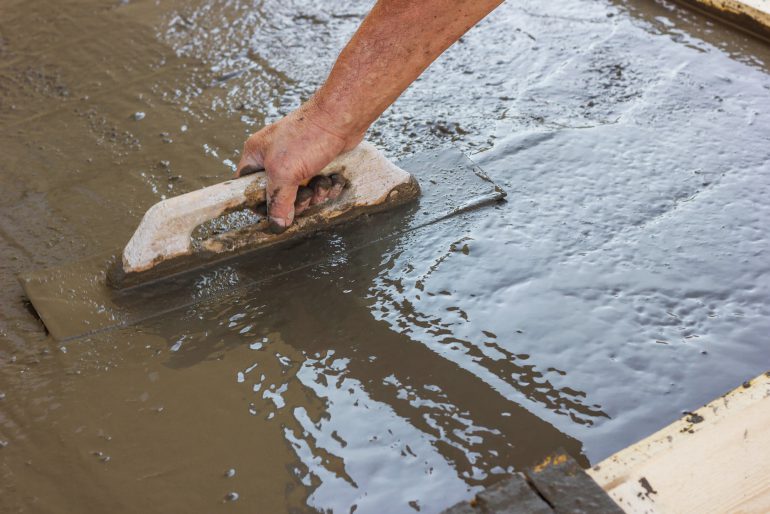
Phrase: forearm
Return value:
(392, 47)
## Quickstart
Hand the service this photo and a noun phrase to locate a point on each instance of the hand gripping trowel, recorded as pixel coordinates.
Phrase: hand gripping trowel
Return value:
(165, 267)
(163, 245)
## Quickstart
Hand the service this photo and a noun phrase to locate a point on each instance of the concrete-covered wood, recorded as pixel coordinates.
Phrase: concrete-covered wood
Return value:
(749, 15)
(511, 496)
(568, 489)
(556, 485)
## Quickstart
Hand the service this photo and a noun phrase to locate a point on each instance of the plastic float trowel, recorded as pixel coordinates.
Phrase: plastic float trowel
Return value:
(170, 263)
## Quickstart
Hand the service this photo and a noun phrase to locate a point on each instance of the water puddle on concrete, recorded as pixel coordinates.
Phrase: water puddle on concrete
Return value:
(624, 280)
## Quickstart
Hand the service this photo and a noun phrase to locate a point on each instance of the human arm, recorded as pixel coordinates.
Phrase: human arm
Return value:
(395, 43)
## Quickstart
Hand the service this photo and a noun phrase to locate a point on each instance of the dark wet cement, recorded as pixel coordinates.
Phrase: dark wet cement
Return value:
(625, 280)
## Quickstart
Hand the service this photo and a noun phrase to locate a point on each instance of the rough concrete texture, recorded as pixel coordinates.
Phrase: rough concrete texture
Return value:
(556, 485)
(509, 496)
(568, 489)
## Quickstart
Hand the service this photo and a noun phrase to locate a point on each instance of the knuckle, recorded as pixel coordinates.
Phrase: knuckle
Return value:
(284, 170)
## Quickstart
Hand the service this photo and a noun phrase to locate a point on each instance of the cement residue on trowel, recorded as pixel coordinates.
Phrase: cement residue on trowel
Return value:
(317, 218)
(162, 243)
(227, 223)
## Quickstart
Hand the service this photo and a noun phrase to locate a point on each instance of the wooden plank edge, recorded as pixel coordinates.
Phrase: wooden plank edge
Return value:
(751, 16)
(716, 459)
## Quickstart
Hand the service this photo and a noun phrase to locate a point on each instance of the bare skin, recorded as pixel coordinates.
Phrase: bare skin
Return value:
(395, 43)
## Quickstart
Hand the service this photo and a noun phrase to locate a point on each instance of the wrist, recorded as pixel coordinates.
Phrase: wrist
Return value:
(339, 119)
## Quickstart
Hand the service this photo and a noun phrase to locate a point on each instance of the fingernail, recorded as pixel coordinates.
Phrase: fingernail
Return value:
(278, 225)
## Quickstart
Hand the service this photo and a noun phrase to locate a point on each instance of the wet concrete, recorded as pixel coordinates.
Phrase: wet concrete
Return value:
(624, 281)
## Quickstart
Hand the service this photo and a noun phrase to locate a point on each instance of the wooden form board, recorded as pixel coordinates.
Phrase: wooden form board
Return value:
(750, 15)
(716, 459)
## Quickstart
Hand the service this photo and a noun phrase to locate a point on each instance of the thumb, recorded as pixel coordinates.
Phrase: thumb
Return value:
(280, 204)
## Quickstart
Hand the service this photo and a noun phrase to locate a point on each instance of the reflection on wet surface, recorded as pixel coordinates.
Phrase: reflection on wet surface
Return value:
(622, 282)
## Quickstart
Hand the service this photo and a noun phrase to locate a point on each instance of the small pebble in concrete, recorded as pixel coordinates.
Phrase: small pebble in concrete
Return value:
(101, 456)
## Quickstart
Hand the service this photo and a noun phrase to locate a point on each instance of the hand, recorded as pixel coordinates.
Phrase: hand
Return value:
(292, 151)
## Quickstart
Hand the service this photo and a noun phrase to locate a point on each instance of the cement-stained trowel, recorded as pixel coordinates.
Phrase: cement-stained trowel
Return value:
(163, 243)
(170, 263)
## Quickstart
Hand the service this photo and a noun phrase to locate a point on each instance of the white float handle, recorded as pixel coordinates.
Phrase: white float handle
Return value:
(166, 228)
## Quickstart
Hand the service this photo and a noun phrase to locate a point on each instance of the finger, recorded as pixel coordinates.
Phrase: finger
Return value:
(321, 186)
(248, 170)
(280, 205)
(251, 160)
(304, 196)
(338, 184)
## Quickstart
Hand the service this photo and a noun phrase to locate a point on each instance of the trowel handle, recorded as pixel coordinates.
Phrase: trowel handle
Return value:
(166, 228)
